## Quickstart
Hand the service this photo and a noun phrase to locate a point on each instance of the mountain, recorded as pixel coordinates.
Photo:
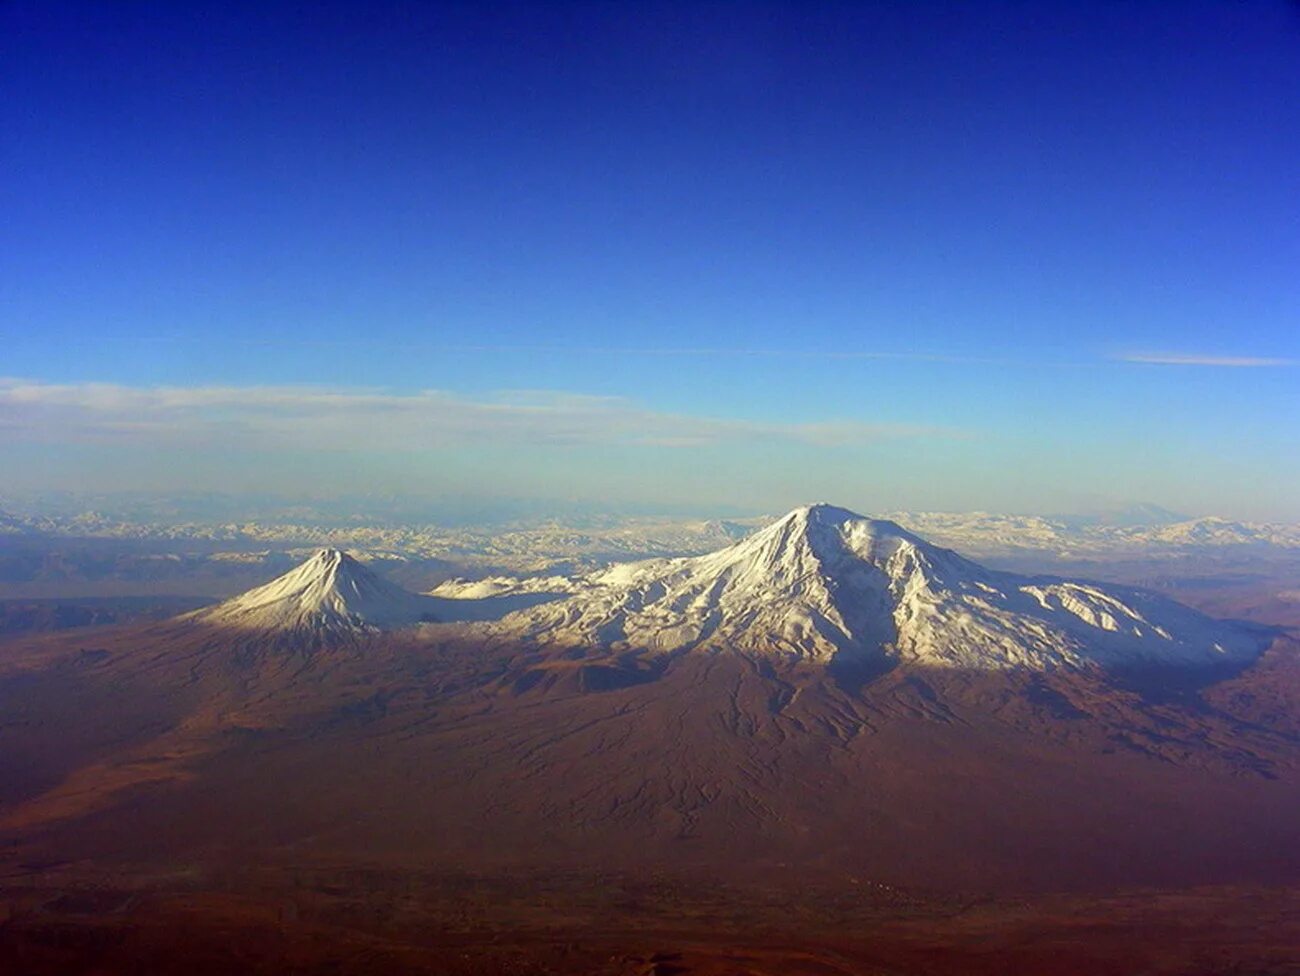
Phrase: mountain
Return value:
(577, 765)
(823, 584)
(330, 594)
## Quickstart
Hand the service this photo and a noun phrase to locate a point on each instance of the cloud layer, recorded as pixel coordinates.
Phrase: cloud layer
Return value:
(307, 417)
(1193, 359)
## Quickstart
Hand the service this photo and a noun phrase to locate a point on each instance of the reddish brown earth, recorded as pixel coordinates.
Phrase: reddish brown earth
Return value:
(208, 801)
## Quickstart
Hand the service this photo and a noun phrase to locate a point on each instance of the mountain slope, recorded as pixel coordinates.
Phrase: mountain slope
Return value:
(331, 593)
(823, 582)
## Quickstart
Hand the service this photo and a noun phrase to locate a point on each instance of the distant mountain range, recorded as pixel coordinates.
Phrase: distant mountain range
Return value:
(532, 548)
(985, 533)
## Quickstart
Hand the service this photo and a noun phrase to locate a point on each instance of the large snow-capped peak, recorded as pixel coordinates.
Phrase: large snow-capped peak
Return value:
(822, 582)
(813, 541)
(330, 593)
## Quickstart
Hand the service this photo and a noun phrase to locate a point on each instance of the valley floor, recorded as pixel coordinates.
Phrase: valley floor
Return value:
(76, 920)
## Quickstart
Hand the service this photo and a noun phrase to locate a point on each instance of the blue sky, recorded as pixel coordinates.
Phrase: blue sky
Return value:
(1033, 257)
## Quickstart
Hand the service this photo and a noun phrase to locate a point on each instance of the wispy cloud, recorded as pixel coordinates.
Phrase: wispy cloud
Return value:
(1193, 359)
(319, 418)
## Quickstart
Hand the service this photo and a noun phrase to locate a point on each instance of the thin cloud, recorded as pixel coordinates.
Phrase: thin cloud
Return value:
(1193, 359)
(319, 418)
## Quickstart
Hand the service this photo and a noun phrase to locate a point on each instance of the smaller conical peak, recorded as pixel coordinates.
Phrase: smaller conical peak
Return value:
(325, 567)
(334, 563)
(330, 557)
(329, 591)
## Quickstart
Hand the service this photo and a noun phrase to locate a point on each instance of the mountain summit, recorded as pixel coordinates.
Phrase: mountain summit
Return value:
(822, 582)
(330, 594)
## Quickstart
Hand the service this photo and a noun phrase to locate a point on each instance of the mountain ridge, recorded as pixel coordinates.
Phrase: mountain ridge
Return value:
(823, 582)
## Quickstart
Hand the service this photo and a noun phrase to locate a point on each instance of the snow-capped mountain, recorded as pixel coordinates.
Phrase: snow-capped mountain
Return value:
(823, 582)
(331, 593)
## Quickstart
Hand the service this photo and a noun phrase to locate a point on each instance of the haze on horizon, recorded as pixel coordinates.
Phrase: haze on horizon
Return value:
(927, 256)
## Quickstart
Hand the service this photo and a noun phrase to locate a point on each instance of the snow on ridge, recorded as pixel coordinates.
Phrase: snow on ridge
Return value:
(494, 586)
(822, 582)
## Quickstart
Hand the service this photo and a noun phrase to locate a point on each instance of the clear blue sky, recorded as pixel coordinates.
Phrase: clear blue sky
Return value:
(732, 255)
